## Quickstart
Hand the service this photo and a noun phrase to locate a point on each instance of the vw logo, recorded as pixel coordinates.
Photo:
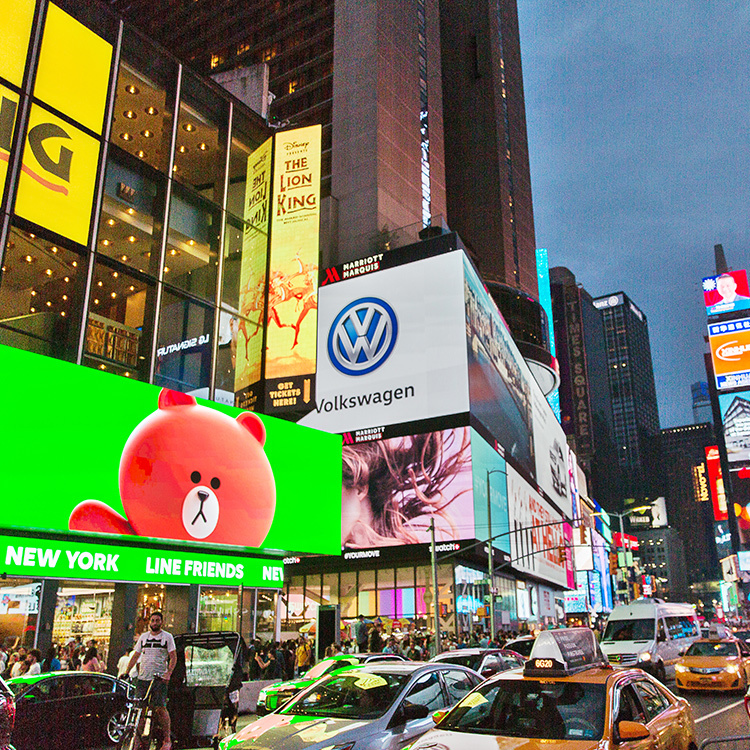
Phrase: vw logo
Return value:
(362, 336)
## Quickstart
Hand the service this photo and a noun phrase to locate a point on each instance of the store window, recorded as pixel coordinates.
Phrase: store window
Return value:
(367, 594)
(217, 609)
(200, 149)
(132, 214)
(83, 613)
(386, 593)
(265, 617)
(172, 601)
(330, 593)
(405, 594)
(41, 288)
(144, 103)
(348, 595)
(120, 321)
(191, 260)
(183, 348)
(245, 139)
(19, 608)
(295, 610)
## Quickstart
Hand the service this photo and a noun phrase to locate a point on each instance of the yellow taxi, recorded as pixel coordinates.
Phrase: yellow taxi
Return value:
(567, 695)
(714, 664)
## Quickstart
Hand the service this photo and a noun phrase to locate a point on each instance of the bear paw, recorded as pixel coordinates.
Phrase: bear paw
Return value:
(93, 515)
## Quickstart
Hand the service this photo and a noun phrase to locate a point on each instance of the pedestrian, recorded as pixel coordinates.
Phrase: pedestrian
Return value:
(91, 661)
(122, 665)
(360, 634)
(33, 659)
(158, 656)
(19, 664)
(303, 657)
(261, 662)
(51, 663)
(375, 642)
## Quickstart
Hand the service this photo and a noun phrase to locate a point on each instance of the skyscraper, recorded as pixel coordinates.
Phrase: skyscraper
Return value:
(631, 385)
(423, 116)
(585, 402)
(701, 402)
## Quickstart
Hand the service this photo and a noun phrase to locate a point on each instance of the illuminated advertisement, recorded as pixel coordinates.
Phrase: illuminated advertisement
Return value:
(56, 184)
(726, 292)
(730, 352)
(393, 488)
(716, 483)
(500, 383)
(126, 458)
(292, 314)
(248, 327)
(489, 469)
(735, 416)
(551, 454)
(392, 347)
(535, 551)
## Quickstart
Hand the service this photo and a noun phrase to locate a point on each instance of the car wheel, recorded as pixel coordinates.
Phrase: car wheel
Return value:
(116, 727)
(128, 741)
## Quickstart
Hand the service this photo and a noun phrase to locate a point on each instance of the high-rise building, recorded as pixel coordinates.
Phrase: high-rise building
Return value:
(397, 162)
(631, 386)
(701, 402)
(662, 556)
(688, 497)
(585, 404)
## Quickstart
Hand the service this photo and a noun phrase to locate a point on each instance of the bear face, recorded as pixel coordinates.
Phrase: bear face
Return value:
(189, 472)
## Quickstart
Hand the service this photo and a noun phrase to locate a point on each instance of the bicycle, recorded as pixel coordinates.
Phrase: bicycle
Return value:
(130, 737)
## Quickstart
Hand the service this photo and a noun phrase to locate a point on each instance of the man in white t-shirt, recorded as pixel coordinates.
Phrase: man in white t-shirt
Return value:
(156, 655)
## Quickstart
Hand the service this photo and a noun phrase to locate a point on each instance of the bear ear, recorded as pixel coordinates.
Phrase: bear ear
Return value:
(251, 422)
(169, 398)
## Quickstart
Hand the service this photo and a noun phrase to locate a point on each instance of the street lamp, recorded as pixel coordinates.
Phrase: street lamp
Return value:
(490, 554)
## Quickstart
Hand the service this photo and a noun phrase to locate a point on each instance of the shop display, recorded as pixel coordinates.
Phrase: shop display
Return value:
(84, 616)
(112, 340)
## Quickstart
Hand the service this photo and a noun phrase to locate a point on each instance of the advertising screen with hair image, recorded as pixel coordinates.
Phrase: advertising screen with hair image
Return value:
(393, 488)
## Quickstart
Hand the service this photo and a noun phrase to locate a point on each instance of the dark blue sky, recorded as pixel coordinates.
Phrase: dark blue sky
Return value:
(638, 116)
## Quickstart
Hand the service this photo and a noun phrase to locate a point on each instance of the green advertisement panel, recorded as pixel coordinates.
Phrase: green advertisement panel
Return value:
(87, 451)
(43, 558)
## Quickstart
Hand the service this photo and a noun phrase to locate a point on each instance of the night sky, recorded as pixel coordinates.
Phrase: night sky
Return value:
(638, 131)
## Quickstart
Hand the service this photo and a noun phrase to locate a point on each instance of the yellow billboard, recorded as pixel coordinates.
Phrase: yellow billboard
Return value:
(249, 325)
(58, 174)
(73, 71)
(8, 110)
(18, 16)
(292, 317)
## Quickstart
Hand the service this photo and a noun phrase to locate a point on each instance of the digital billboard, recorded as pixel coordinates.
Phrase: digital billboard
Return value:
(730, 353)
(291, 336)
(726, 292)
(392, 347)
(536, 550)
(393, 488)
(489, 470)
(716, 483)
(87, 451)
(735, 416)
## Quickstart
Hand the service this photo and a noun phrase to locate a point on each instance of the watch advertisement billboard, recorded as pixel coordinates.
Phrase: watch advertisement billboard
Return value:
(392, 347)
(730, 353)
(107, 455)
(535, 550)
(716, 483)
(735, 416)
(392, 489)
(726, 292)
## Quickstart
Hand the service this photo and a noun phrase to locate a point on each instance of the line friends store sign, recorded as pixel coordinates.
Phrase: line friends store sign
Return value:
(76, 560)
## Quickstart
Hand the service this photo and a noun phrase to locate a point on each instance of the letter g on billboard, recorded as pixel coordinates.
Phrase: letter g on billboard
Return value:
(362, 336)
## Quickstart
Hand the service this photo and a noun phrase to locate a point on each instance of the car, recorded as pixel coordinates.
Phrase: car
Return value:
(714, 664)
(567, 692)
(7, 715)
(522, 645)
(274, 696)
(486, 661)
(83, 707)
(380, 706)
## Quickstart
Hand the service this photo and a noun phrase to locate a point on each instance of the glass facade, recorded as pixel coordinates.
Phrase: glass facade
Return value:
(123, 259)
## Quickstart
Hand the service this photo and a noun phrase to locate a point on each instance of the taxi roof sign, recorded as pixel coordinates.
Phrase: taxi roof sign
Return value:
(564, 652)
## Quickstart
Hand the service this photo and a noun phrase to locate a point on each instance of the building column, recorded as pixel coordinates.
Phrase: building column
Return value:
(124, 613)
(191, 626)
(45, 618)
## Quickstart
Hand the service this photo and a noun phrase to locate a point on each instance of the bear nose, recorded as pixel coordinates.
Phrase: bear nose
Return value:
(202, 495)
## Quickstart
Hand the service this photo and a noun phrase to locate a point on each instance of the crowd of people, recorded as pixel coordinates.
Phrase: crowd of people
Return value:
(75, 655)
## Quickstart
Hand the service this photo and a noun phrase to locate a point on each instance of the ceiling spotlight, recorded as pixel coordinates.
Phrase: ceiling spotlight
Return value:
(182, 149)
(152, 111)
(147, 134)
(48, 271)
(54, 249)
(65, 297)
(131, 211)
(111, 222)
(166, 269)
(124, 258)
(129, 114)
(113, 295)
(131, 288)
(67, 279)
(100, 283)
(140, 153)
(132, 239)
(131, 89)
(203, 146)
(96, 301)
(106, 243)
(126, 136)
(33, 292)
(49, 304)
(62, 313)
(191, 242)
(173, 252)
(189, 127)
(115, 274)
(33, 309)
(74, 264)
(29, 259)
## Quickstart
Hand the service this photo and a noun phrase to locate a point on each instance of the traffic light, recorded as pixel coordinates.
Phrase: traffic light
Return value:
(561, 557)
(582, 530)
(613, 563)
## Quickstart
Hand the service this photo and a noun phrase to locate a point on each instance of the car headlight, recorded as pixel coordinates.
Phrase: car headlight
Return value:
(262, 695)
(732, 668)
(645, 656)
(681, 668)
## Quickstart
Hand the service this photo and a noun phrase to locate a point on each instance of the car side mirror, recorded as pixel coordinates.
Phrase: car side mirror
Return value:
(411, 711)
(683, 651)
(488, 672)
(632, 730)
(438, 716)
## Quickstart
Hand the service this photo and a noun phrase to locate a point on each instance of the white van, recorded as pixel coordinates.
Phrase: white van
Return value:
(650, 634)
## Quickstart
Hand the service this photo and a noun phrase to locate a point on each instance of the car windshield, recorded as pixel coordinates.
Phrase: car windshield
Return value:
(352, 695)
(533, 709)
(629, 630)
(17, 687)
(712, 649)
(522, 647)
(465, 660)
(326, 666)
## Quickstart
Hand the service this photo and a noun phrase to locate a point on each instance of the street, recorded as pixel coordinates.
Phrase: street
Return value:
(719, 715)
